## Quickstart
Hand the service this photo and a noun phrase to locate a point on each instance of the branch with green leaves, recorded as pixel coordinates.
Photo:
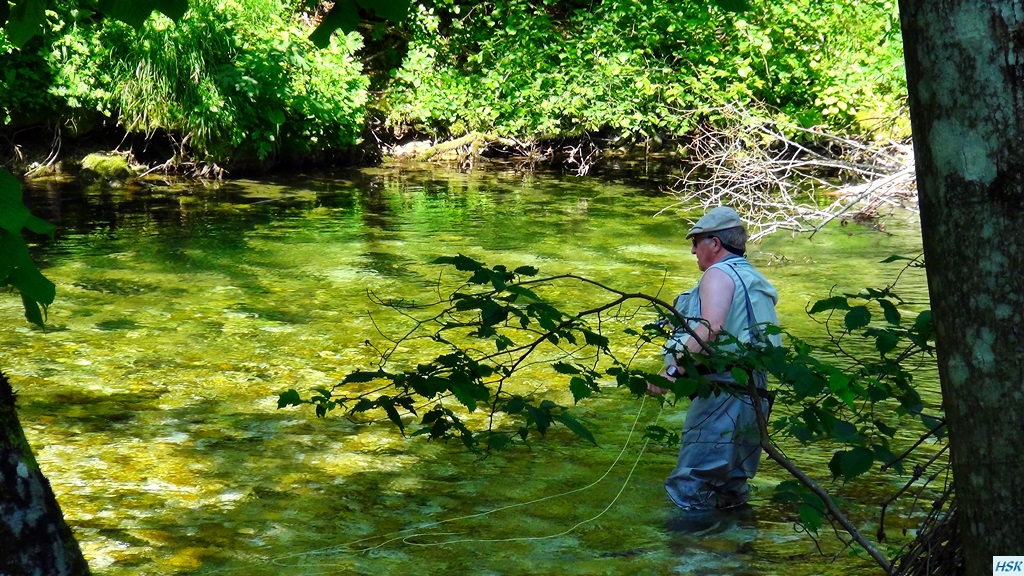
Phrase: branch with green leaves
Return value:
(488, 329)
(475, 339)
(17, 269)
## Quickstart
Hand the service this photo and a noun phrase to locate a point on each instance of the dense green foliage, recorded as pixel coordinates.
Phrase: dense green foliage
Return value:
(235, 80)
(230, 79)
(564, 68)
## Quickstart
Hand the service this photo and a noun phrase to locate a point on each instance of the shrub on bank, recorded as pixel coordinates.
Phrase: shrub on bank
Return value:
(233, 80)
(561, 68)
(236, 80)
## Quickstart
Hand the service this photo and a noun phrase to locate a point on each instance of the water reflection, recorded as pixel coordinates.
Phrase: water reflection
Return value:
(183, 311)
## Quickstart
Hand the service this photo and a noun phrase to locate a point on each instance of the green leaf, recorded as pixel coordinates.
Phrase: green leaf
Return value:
(28, 280)
(13, 213)
(933, 424)
(462, 263)
(25, 20)
(580, 389)
(502, 342)
(498, 281)
(32, 311)
(838, 381)
(540, 417)
(564, 368)
(276, 116)
(829, 304)
(845, 431)
(363, 405)
(40, 226)
(851, 463)
(469, 393)
(595, 339)
(857, 317)
(289, 398)
(891, 313)
(897, 258)
(885, 456)
(923, 323)
(810, 517)
(572, 424)
(361, 376)
(515, 405)
(516, 289)
(388, 405)
(886, 341)
(13, 253)
(739, 375)
(497, 441)
(885, 428)
(344, 16)
(493, 313)
(526, 271)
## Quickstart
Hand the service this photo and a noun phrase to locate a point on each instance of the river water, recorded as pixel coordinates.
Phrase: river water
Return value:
(183, 311)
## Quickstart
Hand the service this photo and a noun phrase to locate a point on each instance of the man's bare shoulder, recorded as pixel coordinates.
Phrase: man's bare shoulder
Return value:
(717, 279)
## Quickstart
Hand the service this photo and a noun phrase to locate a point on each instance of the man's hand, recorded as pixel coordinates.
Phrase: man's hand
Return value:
(653, 390)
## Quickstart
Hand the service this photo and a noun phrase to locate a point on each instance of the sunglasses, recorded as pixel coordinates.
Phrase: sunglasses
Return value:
(701, 239)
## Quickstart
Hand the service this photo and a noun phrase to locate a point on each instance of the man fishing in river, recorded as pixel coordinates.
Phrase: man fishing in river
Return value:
(720, 446)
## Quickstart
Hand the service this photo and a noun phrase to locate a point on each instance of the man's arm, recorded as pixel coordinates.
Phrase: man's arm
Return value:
(716, 288)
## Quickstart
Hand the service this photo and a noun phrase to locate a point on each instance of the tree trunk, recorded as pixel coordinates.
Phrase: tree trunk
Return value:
(34, 539)
(965, 74)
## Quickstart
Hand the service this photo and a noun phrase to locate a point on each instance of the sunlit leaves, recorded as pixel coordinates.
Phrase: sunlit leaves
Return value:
(26, 18)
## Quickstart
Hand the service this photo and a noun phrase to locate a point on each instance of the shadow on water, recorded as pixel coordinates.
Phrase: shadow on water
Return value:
(182, 312)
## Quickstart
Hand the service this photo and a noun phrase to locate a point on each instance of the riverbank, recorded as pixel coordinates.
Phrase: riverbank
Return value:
(238, 87)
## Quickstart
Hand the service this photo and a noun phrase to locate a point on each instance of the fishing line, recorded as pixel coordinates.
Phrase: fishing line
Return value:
(406, 536)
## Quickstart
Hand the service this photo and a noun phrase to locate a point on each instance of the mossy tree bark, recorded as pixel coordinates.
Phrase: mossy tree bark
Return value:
(34, 539)
(965, 74)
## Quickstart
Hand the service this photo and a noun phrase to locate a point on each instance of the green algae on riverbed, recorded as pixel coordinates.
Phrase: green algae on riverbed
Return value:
(151, 397)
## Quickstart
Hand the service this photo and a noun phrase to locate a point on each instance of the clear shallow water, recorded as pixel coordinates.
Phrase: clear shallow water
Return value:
(150, 399)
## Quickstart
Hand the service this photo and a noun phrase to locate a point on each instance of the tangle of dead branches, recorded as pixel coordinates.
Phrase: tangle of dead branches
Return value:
(780, 182)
